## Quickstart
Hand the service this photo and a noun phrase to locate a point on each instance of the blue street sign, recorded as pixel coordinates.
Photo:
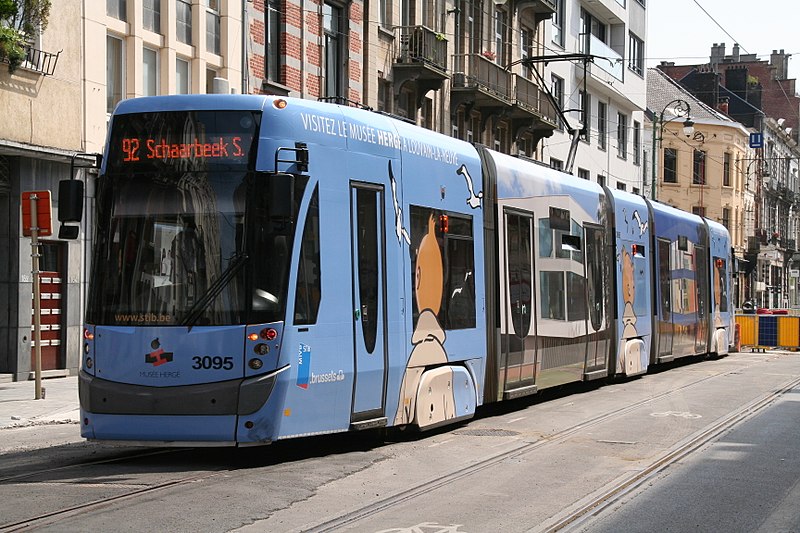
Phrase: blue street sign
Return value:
(757, 140)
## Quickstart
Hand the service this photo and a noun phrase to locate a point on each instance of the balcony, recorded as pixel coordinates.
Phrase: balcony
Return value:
(536, 10)
(480, 83)
(420, 57)
(38, 61)
(607, 61)
(531, 109)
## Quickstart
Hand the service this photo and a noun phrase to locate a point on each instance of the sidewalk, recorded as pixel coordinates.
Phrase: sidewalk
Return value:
(18, 408)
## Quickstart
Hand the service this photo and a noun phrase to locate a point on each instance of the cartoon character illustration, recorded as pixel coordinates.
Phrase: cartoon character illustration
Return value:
(402, 234)
(428, 337)
(642, 225)
(474, 200)
(630, 357)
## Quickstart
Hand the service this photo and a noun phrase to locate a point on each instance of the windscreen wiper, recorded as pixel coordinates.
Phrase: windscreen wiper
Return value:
(194, 313)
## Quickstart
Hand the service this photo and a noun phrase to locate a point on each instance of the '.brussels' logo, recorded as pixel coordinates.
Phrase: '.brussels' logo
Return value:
(158, 356)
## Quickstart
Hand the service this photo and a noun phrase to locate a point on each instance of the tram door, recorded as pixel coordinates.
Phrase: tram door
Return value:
(369, 300)
(518, 346)
(597, 291)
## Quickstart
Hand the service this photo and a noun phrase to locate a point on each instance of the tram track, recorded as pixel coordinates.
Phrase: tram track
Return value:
(420, 489)
(599, 502)
(607, 496)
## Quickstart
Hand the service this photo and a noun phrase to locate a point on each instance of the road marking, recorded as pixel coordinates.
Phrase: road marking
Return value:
(677, 414)
(516, 419)
(439, 443)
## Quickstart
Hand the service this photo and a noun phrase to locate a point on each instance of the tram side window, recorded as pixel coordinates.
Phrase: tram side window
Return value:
(594, 258)
(308, 292)
(576, 297)
(664, 278)
(442, 248)
(552, 293)
(720, 285)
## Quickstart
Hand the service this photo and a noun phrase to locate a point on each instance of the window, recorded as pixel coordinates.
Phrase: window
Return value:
(309, 283)
(526, 42)
(601, 180)
(621, 186)
(116, 9)
(181, 76)
(273, 45)
(333, 54)
(453, 236)
(499, 36)
(726, 169)
(552, 295)
(152, 15)
(183, 21)
(670, 165)
(699, 210)
(556, 163)
(557, 89)
(591, 27)
(212, 27)
(384, 95)
(114, 72)
(699, 168)
(584, 104)
(149, 72)
(602, 119)
(726, 217)
(622, 135)
(636, 54)
(583, 173)
(637, 143)
(558, 23)
(636, 190)
(210, 75)
(384, 13)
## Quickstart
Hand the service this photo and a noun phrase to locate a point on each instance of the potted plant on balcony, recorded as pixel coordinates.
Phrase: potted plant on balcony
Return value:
(488, 54)
(20, 19)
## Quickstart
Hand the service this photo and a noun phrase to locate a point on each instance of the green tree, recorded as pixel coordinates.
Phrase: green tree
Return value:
(20, 20)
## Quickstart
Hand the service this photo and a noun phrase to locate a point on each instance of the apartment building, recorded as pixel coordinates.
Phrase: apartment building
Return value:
(454, 66)
(55, 106)
(603, 93)
(702, 163)
(40, 130)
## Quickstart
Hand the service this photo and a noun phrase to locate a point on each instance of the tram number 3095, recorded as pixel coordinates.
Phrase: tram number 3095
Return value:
(216, 362)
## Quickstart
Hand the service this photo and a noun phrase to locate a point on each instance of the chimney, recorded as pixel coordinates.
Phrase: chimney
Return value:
(735, 52)
(780, 61)
(722, 104)
(717, 55)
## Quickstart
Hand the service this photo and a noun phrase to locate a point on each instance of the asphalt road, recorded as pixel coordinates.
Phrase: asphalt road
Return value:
(703, 446)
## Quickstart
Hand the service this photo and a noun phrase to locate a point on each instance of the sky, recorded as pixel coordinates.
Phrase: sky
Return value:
(679, 30)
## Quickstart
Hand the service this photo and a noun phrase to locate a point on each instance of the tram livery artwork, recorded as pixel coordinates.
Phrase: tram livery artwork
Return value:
(267, 268)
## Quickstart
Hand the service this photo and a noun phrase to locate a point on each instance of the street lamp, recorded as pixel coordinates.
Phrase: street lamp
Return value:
(679, 108)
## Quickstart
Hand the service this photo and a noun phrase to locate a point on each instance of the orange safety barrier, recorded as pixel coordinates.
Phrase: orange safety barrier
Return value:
(748, 329)
(788, 332)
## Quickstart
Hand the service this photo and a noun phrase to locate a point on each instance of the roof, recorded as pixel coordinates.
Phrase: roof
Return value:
(662, 90)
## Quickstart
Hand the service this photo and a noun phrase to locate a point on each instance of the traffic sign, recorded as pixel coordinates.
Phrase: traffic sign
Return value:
(757, 140)
(44, 215)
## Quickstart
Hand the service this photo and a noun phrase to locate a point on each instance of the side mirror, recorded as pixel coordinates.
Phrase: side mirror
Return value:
(280, 192)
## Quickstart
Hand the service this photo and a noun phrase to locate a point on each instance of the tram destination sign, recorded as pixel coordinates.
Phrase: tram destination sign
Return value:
(183, 140)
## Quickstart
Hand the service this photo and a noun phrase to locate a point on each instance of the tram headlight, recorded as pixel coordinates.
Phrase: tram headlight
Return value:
(255, 364)
(261, 349)
(89, 363)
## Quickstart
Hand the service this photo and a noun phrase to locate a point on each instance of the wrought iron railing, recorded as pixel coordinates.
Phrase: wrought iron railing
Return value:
(418, 44)
(528, 95)
(38, 61)
(477, 71)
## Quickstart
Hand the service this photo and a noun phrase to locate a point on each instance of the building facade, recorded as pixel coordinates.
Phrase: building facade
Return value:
(705, 170)
(603, 93)
(89, 57)
(41, 128)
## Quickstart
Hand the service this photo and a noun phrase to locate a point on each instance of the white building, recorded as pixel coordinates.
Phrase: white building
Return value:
(605, 94)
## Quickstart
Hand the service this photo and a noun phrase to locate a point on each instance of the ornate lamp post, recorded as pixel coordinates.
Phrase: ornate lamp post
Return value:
(679, 108)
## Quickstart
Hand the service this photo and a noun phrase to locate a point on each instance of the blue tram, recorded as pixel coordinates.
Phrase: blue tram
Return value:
(267, 268)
